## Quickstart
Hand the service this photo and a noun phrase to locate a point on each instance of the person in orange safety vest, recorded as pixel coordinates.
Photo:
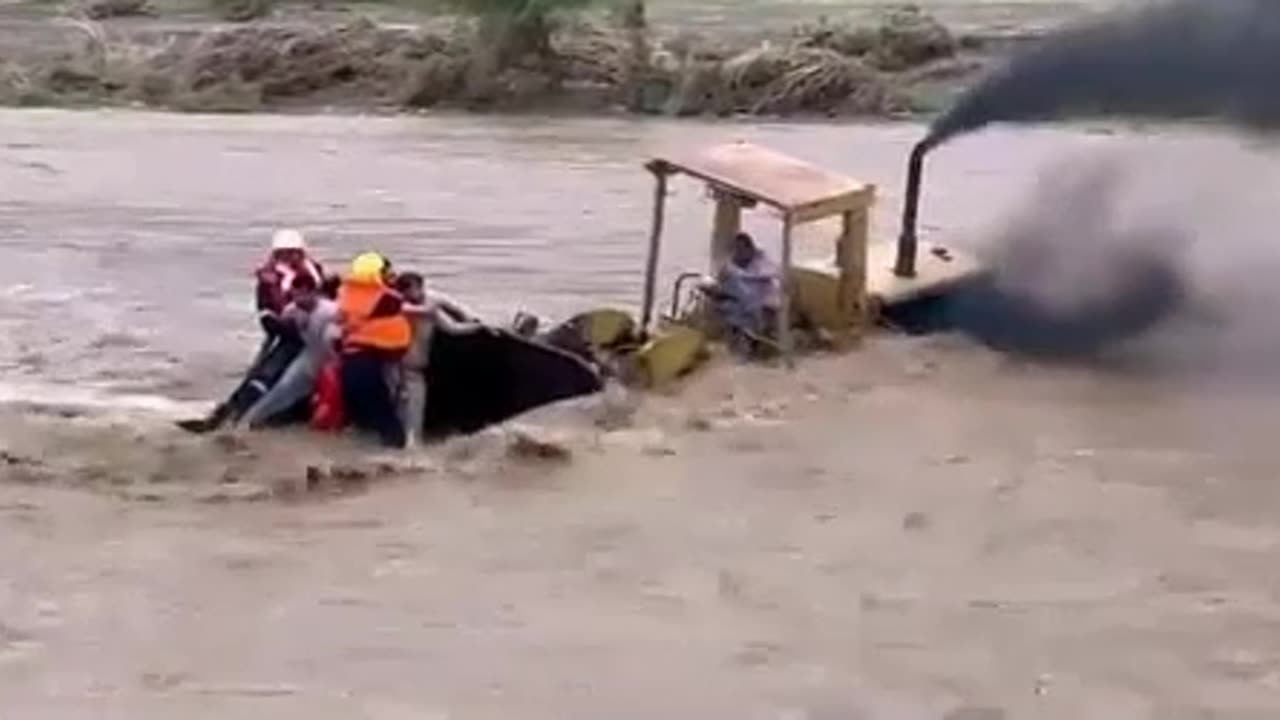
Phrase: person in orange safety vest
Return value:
(376, 335)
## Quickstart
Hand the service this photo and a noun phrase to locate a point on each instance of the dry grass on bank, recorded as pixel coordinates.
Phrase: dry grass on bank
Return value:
(824, 69)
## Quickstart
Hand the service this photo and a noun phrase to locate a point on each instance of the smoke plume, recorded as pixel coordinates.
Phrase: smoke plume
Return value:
(1110, 254)
(1069, 277)
(1176, 59)
(1164, 252)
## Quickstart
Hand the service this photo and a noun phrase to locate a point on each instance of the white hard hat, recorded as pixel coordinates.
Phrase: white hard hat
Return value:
(288, 239)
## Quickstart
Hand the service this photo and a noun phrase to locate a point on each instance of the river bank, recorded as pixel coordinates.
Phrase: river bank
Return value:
(900, 62)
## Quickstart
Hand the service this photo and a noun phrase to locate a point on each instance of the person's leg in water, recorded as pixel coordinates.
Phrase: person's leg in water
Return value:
(296, 384)
(413, 404)
(259, 379)
(352, 373)
(368, 399)
(262, 378)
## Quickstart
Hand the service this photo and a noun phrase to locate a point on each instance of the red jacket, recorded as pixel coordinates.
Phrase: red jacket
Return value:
(275, 290)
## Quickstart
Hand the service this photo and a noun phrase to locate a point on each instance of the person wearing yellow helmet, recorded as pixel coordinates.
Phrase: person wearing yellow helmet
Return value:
(368, 268)
(376, 335)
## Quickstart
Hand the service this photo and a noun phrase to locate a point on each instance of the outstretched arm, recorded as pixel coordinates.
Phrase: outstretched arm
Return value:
(452, 307)
(441, 319)
(446, 323)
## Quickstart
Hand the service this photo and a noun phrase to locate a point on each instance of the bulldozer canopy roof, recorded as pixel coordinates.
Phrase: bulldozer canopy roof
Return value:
(795, 188)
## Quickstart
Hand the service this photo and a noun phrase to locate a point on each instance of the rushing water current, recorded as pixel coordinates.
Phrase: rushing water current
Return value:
(909, 531)
(129, 240)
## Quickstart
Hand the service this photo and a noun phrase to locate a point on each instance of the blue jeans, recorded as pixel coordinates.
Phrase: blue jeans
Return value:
(368, 396)
(296, 385)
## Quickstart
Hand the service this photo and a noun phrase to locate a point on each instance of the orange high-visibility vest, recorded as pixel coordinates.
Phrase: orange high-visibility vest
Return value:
(373, 318)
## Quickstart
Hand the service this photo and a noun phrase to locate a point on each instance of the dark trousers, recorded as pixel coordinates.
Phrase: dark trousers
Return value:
(266, 370)
(368, 398)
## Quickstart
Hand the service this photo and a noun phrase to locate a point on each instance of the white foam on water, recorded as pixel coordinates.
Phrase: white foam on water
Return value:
(94, 398)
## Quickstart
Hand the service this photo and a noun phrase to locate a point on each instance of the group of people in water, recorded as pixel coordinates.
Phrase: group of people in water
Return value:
(368, 332)
(356, 349)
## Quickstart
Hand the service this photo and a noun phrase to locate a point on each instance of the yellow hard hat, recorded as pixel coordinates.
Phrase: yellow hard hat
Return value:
(368, 267)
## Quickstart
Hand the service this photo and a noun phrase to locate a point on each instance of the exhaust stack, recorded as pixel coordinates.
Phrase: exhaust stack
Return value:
(905, 265)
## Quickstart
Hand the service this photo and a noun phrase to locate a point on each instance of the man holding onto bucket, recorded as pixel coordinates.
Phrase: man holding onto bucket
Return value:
(288, 261)
(376, 335)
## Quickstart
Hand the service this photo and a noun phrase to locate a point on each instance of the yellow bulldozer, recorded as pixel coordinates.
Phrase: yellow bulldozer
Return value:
(834, 301)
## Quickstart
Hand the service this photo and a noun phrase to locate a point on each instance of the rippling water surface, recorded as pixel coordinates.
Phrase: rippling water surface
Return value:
(129, 240)
(887, 536)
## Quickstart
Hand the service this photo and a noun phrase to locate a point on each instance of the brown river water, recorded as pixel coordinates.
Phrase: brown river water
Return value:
(920, 530)
(130, 239)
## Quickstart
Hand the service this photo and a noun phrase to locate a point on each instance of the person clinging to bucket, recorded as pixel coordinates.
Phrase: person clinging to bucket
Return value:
(376, 336)
(289, 260)
(315, 318)
(427, 316)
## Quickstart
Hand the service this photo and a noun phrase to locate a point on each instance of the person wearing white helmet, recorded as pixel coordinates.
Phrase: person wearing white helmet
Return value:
(289, 259)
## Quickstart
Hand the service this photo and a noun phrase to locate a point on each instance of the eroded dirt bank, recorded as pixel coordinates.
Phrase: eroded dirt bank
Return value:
(905, 62)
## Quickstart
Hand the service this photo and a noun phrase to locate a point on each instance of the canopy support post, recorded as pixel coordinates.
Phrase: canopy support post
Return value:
(784, 310)
(655, 243)
(851, 259)
(726, 224)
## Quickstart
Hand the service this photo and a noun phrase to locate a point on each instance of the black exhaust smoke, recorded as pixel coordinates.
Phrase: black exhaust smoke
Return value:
(1175, 60)
(1071, 278)
(1170, 60)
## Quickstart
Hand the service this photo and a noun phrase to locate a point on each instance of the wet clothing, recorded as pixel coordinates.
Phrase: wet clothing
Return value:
(321, 328)
(373, 318)
(413, 373)
(376, 336)
(319, 332)
(279, 348)
(423, 328)
(274, 292)
(426, 320)
(368, 397)
(327, 412)
(277, 355)
(413, 404)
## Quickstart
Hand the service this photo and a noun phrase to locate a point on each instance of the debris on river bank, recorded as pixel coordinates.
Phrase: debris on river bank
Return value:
(824, 69)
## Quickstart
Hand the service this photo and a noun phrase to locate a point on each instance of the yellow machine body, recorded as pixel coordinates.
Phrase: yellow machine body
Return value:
(841, 296)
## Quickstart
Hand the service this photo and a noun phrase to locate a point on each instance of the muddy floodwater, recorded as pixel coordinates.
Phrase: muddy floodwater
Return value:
(920, 530)
(130, 239)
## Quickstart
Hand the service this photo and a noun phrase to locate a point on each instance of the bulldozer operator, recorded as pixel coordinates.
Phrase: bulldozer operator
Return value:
(747, 294)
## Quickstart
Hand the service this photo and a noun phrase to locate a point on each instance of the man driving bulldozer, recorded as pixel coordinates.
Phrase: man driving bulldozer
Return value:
(747, 292)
